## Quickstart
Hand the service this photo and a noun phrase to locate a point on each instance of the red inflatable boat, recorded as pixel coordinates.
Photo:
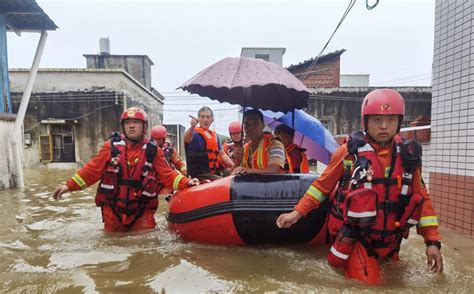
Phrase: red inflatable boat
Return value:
(239, 210)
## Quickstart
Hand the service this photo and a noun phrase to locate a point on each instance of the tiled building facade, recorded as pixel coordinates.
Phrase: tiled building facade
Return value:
(451, 152)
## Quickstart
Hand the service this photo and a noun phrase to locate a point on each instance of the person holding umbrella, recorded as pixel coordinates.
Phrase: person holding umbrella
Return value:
(203, 148)
(379, 194)
(296, 159)
(264, 153)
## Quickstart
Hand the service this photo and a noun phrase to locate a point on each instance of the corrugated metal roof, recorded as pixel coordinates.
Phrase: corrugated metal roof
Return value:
(25, 15)
(321, 59)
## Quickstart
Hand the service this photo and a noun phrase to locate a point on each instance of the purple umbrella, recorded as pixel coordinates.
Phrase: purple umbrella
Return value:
(250, 82)
(309, 133)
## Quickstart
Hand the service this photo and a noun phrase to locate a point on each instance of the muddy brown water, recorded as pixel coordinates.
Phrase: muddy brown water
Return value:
(49, 246)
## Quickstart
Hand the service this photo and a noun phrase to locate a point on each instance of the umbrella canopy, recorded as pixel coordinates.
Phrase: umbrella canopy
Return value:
(309, 133)
(250, 82)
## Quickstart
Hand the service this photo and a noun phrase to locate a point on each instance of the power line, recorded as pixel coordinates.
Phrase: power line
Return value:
(348, 9)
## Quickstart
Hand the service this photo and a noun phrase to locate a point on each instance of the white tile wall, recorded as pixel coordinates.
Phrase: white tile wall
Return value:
(451, 149)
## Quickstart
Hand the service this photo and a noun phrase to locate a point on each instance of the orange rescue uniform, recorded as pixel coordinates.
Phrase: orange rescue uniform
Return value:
(324, 185)
(93, 170)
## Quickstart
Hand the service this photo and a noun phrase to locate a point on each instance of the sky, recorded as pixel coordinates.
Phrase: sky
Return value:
(393, 42)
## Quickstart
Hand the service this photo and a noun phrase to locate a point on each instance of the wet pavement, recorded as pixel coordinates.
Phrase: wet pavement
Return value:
(53, 246)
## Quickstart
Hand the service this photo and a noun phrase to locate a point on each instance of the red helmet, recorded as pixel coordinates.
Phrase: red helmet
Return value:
(159, 132)
(135, 113)
(235, 127)
(383, 102)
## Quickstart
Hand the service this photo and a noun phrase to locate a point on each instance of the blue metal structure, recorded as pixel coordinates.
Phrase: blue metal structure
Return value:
(17, 16)
(6, 101)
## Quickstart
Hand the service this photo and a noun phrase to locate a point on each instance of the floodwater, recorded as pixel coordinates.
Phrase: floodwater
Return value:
(49, 246)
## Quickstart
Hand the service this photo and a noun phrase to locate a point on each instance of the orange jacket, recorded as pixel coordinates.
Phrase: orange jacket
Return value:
(260, 156)
(296, 159)
(90, 173)
(325, 184)
(178, 163)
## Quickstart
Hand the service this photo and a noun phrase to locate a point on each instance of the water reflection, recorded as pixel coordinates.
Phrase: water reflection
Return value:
(57, 246)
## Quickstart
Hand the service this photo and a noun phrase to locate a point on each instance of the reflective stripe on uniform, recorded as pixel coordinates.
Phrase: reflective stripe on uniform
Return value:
(347, 163)
(260, 155)
(428, 221)
(107, 186)
(366, 148)
(361, 214)
(79, 181)
(412, 221)
(176, 181)
(316, 194)
(338, 254)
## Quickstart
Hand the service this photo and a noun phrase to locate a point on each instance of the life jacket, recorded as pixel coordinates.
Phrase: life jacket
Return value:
(374, 204)
(259, 156)
(168, 152)
(129, 189)
(230, 148)
(294, 150)
(203, 161)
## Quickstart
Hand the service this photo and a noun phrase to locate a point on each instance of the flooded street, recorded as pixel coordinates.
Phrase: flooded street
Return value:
(58, 246)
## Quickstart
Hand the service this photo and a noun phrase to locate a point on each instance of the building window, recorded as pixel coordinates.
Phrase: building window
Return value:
(265, 57)
(58, 146)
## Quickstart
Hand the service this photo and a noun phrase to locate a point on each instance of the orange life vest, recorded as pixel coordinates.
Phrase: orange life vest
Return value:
(129, 189)
(259, 156)
(195, 160)
(375, 205)
(292, 151)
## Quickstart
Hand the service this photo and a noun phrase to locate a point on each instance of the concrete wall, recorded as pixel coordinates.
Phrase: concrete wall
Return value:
(339, 108)
(94, 99)
(452, 121)
(7, 164)
(94, 116)
(275, 54)
(138, 66)
(354, 80)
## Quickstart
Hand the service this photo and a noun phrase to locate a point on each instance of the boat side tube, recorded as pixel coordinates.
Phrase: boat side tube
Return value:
(243, 209)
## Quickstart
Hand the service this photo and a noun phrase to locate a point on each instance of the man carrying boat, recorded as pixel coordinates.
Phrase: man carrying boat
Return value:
(379, 194)
(264, 153)
(131, 169)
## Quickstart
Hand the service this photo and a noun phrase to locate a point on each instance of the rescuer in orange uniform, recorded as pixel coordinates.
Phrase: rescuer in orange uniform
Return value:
(131, 170)
(296, 159)
(159, 134)
(234, 148)
(377, 194)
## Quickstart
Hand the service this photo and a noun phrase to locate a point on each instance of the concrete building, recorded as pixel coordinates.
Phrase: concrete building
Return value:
(274, 55)
(334, 97)
(354, 80)
(325, 72)
(73, 111)
(339, 108)
(17, 16)
(451, 168)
